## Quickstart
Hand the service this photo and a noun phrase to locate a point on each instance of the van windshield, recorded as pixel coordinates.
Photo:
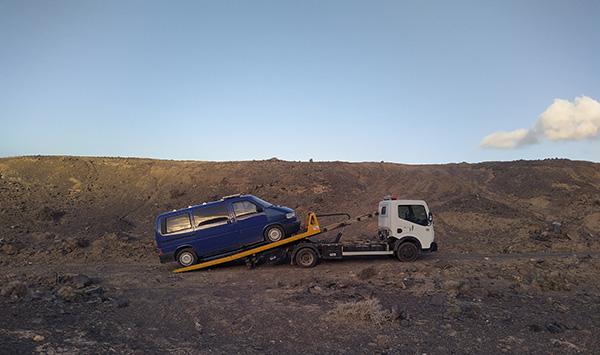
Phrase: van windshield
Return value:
(261, 202)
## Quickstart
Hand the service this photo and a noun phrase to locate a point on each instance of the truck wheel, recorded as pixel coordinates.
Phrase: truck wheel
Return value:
(187, 257)
(306, 257)
(407, 251)
(274, 234)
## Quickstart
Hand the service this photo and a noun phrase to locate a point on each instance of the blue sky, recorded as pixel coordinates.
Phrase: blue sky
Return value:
(401, 81)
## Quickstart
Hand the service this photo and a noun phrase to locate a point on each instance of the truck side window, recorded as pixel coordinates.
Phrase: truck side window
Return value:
(383, 210)
(243, 208)
(210, 216)
(413, 213)
(419, 215)
(178, 223)
(404, 212)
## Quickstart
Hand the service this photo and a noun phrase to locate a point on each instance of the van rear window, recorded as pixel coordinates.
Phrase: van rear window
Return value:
(178, 223)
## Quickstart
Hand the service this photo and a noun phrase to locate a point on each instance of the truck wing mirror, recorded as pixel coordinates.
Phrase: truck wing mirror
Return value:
(430, 217)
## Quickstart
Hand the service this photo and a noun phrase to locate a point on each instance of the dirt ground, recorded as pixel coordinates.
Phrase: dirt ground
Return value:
(517, 270)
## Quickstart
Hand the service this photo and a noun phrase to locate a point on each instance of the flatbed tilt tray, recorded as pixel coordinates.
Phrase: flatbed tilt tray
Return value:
(303, 251)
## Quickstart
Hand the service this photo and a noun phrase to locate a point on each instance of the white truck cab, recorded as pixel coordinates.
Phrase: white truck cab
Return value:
(408, 224)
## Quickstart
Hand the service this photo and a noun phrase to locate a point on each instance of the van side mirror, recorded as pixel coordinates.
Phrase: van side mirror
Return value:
(430, 218)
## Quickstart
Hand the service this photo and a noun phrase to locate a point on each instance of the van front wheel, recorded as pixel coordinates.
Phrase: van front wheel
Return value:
(187, 257)
(274, 234)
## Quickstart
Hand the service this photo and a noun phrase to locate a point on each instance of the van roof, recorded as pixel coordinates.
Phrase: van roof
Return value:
(221, 200)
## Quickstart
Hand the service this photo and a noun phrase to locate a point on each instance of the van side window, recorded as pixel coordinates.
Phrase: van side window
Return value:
(383, 210)
(243, 208)
(413, 213)
(210, 216)
(178, 223)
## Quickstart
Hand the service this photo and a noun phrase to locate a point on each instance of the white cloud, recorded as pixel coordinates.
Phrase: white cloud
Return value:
(507, 140)
(562, 120)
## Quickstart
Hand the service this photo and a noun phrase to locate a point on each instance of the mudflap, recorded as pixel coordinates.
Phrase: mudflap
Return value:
(434, 247)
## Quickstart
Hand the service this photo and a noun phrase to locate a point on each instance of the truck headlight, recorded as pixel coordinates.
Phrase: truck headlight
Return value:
(290, 215)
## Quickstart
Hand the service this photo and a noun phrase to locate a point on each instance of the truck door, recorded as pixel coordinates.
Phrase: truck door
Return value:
(404, 226)
(250, 221)
(215, 231)
(415, 222)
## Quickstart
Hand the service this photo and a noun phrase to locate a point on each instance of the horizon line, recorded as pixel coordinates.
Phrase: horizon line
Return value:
(276, 159)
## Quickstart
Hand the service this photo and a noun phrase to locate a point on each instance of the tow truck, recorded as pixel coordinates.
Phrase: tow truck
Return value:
(405, 230)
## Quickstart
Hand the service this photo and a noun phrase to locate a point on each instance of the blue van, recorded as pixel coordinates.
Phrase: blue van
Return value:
(215, 228)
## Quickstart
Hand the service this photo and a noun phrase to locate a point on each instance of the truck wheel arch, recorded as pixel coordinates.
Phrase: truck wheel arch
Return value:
(301, 246)
(407, 239)
(407, 249)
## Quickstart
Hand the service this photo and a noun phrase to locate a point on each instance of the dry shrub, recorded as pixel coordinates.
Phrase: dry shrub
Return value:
(368, 310)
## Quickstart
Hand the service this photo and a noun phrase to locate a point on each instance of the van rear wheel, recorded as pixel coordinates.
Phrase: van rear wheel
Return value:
(274, 234)
(407, 251)
(187, 257)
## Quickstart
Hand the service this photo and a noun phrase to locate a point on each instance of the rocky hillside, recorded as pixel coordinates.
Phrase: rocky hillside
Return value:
(80, 272)
(53, 208)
